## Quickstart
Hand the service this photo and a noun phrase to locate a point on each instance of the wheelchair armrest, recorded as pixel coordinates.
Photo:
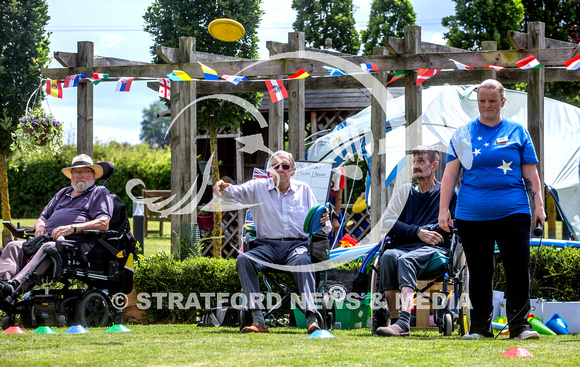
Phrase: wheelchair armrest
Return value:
(109, 234)
(19, 232)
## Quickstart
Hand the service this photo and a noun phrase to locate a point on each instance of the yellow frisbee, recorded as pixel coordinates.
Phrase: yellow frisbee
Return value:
(227, 30)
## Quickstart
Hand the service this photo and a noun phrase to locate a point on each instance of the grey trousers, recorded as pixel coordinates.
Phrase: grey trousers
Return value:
(13, 264)
(400, 268)
(291, 253)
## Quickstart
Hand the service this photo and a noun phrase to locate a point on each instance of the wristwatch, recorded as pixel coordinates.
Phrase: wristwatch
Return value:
(74, 227)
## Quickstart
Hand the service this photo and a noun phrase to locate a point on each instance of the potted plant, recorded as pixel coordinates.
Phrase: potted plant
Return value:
(38, 132)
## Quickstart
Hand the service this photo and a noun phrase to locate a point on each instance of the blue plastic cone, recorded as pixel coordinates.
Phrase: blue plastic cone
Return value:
(76, 329)
(118, 329)
(320, 334)
(558, 325)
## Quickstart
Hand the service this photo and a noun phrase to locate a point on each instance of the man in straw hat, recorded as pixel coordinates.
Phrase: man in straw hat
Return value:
(74, 209)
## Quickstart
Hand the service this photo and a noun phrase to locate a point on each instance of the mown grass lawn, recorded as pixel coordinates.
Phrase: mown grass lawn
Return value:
(169, 345)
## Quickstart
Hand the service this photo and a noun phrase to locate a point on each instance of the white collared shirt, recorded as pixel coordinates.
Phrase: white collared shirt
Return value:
(277, 215)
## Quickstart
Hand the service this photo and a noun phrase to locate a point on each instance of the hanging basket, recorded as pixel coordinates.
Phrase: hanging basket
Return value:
(38, 132)
(42, 135)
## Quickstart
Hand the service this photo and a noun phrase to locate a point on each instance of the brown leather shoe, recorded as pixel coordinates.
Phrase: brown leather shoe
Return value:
(393, 330)
(312, 328)
(255, 328)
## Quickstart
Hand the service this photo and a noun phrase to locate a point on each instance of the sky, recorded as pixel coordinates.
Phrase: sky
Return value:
(118, 32)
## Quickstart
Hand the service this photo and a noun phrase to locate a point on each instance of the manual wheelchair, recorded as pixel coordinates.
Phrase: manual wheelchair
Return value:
(448, 311)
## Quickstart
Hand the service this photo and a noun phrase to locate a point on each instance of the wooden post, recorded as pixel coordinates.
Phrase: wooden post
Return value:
(413, 95)
(536, 40)
(240, 178)
(275, 124)
(296, 102)
(183, 148)
(378, 130)
(85, 52)
(489, 46)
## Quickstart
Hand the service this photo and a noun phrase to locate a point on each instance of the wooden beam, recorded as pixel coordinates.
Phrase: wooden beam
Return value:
(296, 103)
(489, 46)
(261, 68)
(413, 95)
(519, 41)
(277, 48)
(378, 131)
(183, 145)
(171, 56)
(396, 46)
(85, 101)
(535, 97)
(70, 60)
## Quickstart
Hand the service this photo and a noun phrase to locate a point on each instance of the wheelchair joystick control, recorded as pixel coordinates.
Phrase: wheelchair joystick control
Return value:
(538, 230)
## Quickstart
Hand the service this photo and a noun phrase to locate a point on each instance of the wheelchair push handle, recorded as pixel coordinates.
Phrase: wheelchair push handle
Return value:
(538, 230)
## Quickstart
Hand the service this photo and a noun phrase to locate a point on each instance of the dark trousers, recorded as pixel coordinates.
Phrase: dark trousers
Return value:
(292, 253)
(512, 235)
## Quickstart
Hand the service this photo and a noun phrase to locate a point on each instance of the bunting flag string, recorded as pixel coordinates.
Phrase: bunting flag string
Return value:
(573, 64)
(425, 74)
(334, 71)
(496, 68)
(54, 88)
(165, 88)
(371, 68)
(529, 62)
(124, 85)
(72, 80)
(234, 79)
(209, 73)
(277, 90)
(398, 75)
(301, 74)
(97, 78)
(179, 76)
(461, 66)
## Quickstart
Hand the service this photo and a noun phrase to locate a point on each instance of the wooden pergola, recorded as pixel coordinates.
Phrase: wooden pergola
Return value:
(408, 53)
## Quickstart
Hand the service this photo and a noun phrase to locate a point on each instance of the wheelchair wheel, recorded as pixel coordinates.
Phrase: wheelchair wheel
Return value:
(447, 324)
(464, 318)
(380, 318)
(93, 310)
(7, 321)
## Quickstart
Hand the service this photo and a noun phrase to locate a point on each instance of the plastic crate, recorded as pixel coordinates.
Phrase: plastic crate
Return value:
(345, 317)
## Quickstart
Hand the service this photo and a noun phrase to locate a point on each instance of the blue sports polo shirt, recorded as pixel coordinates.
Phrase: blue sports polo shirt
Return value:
(491, 157)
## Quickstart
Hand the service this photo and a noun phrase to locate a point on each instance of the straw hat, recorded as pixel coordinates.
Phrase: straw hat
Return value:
(81, 161)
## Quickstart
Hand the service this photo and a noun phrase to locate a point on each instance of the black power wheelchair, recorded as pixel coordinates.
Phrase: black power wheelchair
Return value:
(106, 271)
(318, 250)
(450, 309)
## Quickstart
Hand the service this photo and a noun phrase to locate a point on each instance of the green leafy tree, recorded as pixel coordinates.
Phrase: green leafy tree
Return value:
(168, 20)
(559, 17)
(23, 53)
(154, 127)
(387, 18)
(482, 20)
(322, 19)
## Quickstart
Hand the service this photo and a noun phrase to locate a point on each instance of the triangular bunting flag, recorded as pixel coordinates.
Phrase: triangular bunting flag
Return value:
(496, 68)
(573, 64)
(398, 75)
(54, 88)
(529, 62)
(301, 74)
(209, 73)
(97, 78)
(165, 88)
(124, 85)
(371, 68)
(425, 74)
(461, 66)
(179, 76)
(334, 71)
(72, 80)
(277, 90)
(234, 79)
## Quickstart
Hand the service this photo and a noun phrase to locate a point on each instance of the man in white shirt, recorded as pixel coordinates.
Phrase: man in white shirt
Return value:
(281, 205)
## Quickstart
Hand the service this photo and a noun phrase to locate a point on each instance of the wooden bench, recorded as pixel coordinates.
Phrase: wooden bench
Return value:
(154, 216)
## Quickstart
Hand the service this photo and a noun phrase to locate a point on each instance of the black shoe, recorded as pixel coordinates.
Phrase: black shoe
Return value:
(6, 289)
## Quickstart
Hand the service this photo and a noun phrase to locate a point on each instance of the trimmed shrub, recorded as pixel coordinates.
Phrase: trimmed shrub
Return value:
(554, 273)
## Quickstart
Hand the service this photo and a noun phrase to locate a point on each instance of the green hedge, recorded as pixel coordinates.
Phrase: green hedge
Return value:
(557, 273)
(32, 181)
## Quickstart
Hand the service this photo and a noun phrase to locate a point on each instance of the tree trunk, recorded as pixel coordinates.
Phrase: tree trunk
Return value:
(4, 200)
(215, 176)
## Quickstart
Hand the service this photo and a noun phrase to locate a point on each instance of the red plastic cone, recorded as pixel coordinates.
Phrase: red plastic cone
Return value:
(517, 352)
(14, 330)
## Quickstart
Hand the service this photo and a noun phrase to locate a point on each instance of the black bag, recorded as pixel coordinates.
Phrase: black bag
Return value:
(223, 316)
(32, 245)
(341, 282)
(320, 248)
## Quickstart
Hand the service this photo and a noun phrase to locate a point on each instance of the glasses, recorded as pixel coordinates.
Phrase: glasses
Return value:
(83, 172)
(278, 165)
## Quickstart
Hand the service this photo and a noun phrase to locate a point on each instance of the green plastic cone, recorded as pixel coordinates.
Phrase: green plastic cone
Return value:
(44, 330)
(118, 329)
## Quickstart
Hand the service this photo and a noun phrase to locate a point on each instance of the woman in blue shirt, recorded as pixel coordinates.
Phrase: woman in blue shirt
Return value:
(498, 162)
